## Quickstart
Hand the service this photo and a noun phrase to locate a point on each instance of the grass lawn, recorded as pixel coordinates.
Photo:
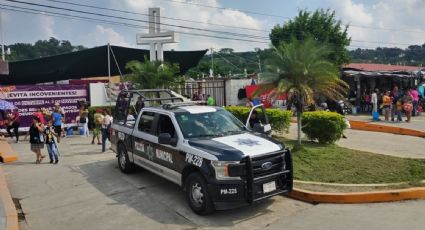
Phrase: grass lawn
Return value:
(334, 164)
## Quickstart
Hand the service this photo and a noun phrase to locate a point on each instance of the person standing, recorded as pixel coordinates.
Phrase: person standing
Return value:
(386, 105)
(210, 100)
(139, 104)
(50, 143)
(374, 101)
(62, 112)
(399, 109)
(83, 122)
(37, 139)
(40, 115)
(395, 96)
(106, 124)
(407, 105)
(415, 99)
(98, 119)
(57, 123)
(249, 102)
(14, 124)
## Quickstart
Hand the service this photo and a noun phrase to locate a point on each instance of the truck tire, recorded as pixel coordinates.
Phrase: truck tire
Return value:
(197, 194)
(124, 161)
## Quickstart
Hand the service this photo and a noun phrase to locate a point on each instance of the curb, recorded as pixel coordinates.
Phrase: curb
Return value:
(362, 125)
(350, 185)
(7, 153)
(358, 197)
(8, 205)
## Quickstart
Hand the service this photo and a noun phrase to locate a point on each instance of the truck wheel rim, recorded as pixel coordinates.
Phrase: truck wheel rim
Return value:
(197, 194)
(122, 159)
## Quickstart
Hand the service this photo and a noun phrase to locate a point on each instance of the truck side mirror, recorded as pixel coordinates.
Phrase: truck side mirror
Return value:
(165, 138)
(266, 129)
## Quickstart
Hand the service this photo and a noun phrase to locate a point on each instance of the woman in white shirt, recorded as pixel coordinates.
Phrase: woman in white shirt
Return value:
(106, 124)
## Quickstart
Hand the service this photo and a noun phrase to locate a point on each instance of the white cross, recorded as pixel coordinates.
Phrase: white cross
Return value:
(155, 38)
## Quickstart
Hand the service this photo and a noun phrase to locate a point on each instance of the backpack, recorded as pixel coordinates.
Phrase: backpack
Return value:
(83, 120)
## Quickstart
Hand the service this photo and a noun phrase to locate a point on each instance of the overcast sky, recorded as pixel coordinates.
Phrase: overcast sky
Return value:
(373, 23)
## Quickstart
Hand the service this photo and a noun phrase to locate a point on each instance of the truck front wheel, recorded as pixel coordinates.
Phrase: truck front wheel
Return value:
(197, 194)
(124, 161)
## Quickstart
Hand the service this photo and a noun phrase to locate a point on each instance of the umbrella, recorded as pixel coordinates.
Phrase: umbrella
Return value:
(5, 105)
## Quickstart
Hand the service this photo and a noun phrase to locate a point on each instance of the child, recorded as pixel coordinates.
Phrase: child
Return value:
(398, 109)
(50, 143)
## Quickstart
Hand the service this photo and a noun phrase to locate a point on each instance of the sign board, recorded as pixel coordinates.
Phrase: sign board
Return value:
(4, 67)
(28, 98)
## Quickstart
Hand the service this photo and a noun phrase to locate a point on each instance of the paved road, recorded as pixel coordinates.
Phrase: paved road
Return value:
(377, 142)
(87, 191)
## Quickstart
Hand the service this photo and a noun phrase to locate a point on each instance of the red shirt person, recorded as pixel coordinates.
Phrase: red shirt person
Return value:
(40, 115)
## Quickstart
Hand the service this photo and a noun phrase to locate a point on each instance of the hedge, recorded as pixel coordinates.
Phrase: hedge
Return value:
(325, 127)
(279, 119)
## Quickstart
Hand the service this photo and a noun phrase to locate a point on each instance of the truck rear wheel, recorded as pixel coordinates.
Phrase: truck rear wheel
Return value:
(197, 194)
(124, 161)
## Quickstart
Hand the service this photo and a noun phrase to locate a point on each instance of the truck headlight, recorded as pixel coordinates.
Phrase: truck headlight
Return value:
(222, 170)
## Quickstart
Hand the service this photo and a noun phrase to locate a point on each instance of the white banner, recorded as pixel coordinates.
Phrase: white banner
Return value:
(45, 94)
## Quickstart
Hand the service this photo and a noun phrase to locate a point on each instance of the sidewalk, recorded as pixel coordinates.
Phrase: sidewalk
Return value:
(377, 142)
(2, 216)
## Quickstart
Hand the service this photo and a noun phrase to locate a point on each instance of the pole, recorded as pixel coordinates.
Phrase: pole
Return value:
(109, 76)
(212, 62)
(2, 40)
(259, 63)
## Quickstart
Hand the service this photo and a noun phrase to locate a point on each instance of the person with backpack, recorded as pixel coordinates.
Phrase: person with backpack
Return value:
(98, 119)
(52, 148)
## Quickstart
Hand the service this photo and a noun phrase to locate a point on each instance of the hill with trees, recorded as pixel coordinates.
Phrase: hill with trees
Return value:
(41, 48)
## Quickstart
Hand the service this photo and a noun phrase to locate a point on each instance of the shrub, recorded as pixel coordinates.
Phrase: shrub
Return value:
(326, 127)
(279, 119)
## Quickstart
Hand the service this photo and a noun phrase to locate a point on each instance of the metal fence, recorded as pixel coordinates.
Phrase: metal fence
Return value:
(215, 88)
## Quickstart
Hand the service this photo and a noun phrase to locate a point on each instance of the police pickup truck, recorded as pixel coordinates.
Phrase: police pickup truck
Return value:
(218, 161)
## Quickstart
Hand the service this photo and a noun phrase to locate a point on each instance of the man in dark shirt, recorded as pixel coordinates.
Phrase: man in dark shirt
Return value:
(14, 124)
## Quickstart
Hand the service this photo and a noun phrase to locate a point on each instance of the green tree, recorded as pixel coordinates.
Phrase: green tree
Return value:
(151, 75)
(299, 70)
(41, 48)
(322, 26)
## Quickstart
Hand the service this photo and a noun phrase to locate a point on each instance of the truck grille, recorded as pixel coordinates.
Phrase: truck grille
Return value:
(275, 167)
(276, 163)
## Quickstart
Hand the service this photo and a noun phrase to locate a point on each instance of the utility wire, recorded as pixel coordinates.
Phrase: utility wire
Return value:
(164, 17)
(34, 11)
(137, 20)
(145, 27)
(280, 16)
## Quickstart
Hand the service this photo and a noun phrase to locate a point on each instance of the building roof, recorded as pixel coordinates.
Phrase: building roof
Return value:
(382, 67)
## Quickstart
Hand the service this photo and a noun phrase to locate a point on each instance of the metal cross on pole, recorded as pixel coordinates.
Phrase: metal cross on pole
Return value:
(155, 38)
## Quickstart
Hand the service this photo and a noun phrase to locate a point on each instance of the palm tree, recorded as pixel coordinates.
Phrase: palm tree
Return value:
(300, 70)
(151, 75)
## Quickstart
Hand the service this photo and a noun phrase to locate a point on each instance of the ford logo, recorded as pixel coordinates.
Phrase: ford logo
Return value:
(267, 165)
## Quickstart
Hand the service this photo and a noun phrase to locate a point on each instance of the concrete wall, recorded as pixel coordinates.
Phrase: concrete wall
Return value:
(232, 88)
(98, 96)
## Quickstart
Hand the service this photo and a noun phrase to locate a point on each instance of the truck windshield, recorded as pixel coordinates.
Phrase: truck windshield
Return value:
(211, 124)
